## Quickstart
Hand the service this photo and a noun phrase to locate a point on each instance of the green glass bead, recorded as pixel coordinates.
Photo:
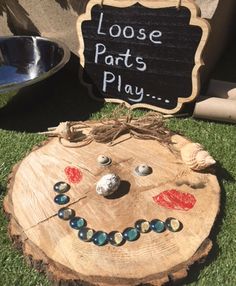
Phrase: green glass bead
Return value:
(86, 234)
(131, 234)
(173, 224)
(116, 238)
(142, 226)
(157, 225)
(61, 199)
(66, 213)
(100, 238)
(61, 187)
(77, 222)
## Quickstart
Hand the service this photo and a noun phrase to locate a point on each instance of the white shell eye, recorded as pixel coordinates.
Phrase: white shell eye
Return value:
(104, 160)
(143, 170)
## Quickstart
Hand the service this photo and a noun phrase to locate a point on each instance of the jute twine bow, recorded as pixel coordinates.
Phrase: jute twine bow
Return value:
(150, 126)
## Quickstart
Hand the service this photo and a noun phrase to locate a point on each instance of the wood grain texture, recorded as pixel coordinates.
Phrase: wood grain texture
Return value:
(52, 246)
(170, 94)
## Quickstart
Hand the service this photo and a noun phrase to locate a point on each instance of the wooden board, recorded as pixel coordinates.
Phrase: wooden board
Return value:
(146, 54)
(52, 246)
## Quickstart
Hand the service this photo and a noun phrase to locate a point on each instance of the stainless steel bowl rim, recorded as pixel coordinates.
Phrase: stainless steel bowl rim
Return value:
(63, 62)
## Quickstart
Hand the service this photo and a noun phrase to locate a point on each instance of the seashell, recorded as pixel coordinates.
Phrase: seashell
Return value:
(143, 170)
(104, 160)
(108, 184)
(194, 155)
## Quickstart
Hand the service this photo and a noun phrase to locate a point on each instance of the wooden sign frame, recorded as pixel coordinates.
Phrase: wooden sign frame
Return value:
(195, 20)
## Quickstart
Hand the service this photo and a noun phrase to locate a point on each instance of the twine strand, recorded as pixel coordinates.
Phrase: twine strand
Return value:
(151, 126)
(75, 134)
(179, 2)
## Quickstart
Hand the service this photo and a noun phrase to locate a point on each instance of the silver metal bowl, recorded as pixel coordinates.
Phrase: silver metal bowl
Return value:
(25, 60)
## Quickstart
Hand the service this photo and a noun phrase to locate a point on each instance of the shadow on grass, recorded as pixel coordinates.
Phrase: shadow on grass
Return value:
(2, 190)
(59, 98)
(193, 274)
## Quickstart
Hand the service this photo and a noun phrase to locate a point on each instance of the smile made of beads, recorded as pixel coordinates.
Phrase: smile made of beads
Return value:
(115, 238)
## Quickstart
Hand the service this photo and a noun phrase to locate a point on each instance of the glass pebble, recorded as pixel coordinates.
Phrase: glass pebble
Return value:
(77, 222)
(86, 234)
(61, 199)
(173, 224)
(131, 234)
(66, 213)
(142, 226)
(116, 238)
(157, 225)
(100, 238)
(61, 187)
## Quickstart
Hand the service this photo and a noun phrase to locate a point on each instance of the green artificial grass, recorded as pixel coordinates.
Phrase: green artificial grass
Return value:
(219, 140)
(6, 97)
(13, 269)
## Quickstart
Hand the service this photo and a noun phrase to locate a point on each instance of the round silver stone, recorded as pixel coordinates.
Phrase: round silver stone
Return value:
(108, 184)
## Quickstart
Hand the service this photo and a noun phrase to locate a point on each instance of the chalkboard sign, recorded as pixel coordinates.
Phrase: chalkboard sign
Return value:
(143, 53)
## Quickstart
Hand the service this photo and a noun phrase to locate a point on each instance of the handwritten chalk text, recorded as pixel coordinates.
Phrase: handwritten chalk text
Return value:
(125, 59)
(128, 32)
(115, 81)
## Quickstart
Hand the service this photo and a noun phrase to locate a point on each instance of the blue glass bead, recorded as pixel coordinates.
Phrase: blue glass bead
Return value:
(173, 224)
(66, 213)
(142, 226)
(131, 234)
(116, 238)
(100, 238)
(157, 225)
(61, 187)
(61, 199)
(86, 234)
(77, 222)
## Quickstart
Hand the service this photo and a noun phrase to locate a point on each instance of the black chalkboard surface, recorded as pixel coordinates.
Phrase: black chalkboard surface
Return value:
(144, 56)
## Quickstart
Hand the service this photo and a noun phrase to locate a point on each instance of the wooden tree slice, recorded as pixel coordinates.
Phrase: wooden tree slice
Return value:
(51, 245)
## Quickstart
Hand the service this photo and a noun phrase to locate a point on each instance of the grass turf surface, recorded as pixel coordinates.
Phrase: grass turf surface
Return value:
(218, 138)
